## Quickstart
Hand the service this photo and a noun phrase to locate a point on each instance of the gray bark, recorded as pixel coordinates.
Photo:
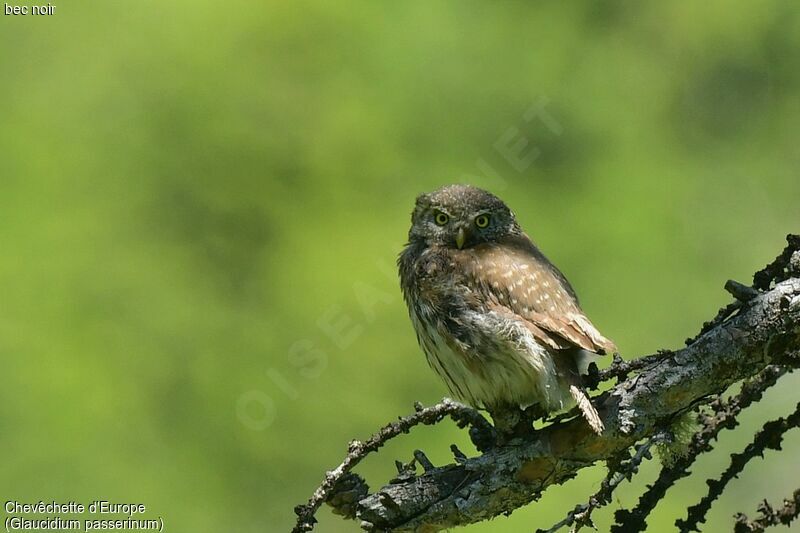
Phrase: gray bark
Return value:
(765, 330)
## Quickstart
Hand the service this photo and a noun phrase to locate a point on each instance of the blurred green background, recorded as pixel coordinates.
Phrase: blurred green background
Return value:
(202, 203)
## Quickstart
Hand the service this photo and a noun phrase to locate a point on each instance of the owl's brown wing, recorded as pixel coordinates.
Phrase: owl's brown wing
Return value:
(514, 278)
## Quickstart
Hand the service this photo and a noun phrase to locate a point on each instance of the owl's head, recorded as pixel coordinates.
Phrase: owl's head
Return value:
(460, 216)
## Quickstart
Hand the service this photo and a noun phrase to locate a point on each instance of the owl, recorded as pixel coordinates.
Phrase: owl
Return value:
(497, 321)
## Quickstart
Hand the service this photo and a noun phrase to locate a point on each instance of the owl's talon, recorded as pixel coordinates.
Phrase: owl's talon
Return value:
(484, 439)
(535, 412)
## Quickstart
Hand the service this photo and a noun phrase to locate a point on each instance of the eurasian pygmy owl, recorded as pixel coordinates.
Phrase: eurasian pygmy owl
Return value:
(497, 321)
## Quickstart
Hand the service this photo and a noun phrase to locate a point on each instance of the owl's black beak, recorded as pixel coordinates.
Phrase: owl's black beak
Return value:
(461, 238)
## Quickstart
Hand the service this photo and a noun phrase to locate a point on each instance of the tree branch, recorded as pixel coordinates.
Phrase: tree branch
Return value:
(742, 340)
(618, 471)
(481, 432)
(769, 438)
(723, 417)
(769, 516)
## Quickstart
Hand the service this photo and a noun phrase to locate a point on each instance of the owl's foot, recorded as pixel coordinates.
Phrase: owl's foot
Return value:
(484, 438)
(511, 422)
(535, 412)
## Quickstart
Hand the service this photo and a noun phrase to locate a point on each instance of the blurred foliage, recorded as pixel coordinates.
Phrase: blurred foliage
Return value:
(202, 202)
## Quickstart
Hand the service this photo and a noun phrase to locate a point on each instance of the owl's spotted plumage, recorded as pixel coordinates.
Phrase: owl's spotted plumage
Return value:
(497, 321)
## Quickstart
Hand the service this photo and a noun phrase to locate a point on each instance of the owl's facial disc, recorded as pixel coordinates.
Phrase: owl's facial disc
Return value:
(459, 217)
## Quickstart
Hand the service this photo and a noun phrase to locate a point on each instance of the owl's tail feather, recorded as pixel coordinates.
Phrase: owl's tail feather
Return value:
(585, 405)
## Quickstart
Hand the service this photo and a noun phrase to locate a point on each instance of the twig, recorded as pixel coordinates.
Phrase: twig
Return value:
(781, 268)
(769, 516)
(357, 450)
(740, 291)
(722, 315)
(618, 470)
(769, 437)
(620, 369)
(724, 417)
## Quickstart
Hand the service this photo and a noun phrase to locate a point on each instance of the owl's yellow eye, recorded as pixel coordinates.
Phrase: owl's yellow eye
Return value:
(441, 218)
(482, 221)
